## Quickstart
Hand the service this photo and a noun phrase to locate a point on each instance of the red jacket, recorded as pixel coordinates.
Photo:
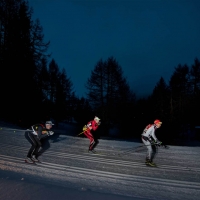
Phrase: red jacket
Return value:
(92, 125)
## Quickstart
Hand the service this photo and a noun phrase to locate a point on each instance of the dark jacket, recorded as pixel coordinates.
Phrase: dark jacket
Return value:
(40, 130)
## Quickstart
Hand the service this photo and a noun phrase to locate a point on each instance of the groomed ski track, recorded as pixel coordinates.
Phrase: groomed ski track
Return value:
(66, 163)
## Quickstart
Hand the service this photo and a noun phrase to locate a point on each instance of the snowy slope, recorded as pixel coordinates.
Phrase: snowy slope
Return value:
(66, 164)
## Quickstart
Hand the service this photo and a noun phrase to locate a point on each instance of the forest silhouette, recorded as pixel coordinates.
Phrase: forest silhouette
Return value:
(34, 88)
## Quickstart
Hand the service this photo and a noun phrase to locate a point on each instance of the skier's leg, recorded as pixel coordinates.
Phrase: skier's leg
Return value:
(26, 135)
(149, 149)
(96, 142)
(154, 152)
(44, 146)
(38, 146)
(30, 137)
(90, 137)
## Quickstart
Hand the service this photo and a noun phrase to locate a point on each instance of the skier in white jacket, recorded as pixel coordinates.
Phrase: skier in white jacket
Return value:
(150, 141)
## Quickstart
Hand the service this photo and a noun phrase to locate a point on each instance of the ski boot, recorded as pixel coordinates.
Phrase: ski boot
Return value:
(150, 163)
(92, 151)
(29, 160)
(34, 159)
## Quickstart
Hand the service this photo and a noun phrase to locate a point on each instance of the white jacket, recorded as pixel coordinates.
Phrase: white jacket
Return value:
(150, 132)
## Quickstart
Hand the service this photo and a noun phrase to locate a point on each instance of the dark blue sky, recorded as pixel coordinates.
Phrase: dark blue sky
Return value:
(148, 38)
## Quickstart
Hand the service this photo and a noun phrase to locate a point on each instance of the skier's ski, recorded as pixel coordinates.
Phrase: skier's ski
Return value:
(135, 149)
(94, 153)
(99, 153)
(31, 163)
(150, 165)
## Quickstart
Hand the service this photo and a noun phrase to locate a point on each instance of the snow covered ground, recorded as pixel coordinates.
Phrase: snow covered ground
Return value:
(118, 172)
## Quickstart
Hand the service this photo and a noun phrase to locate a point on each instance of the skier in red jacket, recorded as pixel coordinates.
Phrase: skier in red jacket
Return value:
(92, 126)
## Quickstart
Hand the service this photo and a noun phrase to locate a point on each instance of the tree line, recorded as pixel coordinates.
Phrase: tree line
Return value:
(34, 88)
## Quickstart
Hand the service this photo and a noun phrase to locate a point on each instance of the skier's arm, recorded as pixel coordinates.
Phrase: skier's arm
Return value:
(42, 133)
(94, 126)
(154, 136)
(150, 133)
(39, 132)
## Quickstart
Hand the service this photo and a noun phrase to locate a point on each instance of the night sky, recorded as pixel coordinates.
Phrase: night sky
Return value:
(148, 38)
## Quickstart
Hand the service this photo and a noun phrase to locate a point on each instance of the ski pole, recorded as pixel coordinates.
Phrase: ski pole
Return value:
(135, 148)
(165, 146)
(80, 133)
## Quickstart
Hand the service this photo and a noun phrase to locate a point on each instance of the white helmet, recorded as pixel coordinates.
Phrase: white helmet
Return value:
(96, 119)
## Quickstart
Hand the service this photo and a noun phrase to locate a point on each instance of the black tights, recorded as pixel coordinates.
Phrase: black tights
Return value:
(35, 142)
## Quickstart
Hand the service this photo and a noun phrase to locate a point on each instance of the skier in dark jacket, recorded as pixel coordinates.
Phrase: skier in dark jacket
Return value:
(38, 132)
(150, 141)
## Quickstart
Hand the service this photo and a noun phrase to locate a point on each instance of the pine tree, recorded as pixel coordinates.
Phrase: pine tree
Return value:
(194, 92)
(108, 92)
(160, 100)
(179, 98)
(18, 52)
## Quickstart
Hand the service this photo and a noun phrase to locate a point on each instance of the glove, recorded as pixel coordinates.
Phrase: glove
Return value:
(44, 132)
(150, 140)
(85, 128)
(158, 142)
(50, 132)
